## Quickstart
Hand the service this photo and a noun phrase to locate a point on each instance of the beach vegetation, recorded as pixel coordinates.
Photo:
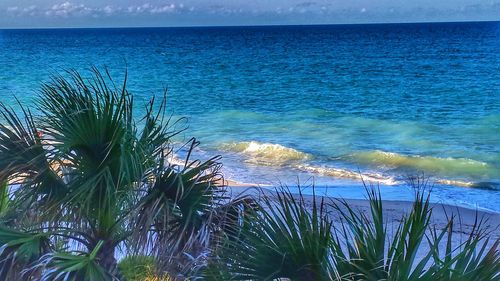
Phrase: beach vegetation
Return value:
(298, 237)
(89, 182)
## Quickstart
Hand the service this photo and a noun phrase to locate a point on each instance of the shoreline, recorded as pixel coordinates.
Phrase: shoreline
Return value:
(464, 217)
(231, 184)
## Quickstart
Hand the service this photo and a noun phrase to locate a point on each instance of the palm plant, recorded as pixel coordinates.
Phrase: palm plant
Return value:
(371, 253)
(89, 183)
(412, 251)
(282, 237)
(286, 237)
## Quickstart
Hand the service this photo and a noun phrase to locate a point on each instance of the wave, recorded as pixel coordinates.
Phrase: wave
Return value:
(427, 164)
(266, 153)
(277, 154)
(393, 166)
(348, 174)
(385, 179)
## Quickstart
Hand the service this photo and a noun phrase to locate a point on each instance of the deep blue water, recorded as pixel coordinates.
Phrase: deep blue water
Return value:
(326, 102)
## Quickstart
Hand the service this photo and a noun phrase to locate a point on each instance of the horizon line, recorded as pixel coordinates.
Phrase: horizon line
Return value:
(249, 25)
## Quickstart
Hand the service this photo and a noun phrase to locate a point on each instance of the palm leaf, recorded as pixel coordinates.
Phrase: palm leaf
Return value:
(282, 239)
(471, 260)
(74, 267)
(23, 157)
(18, 250)
(175, 214)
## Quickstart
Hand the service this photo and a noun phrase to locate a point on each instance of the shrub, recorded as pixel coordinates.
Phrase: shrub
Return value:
(292, 237)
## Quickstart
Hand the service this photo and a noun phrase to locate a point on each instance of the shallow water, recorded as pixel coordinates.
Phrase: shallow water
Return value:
(329, 102)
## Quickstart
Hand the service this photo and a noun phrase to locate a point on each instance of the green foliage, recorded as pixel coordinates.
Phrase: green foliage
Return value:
(28, 246)
(372, 253)
(283, 238)
(177, 205)
(74, 266)
(472, 260)
(137, 268)
(142, 268)
(287, 238)
(4, 198)
(19, 250)
(89, 173)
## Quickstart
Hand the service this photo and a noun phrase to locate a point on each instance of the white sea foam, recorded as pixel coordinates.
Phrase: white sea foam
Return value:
(272, 154)
(348, 174)
(277, 154)
(266, 153)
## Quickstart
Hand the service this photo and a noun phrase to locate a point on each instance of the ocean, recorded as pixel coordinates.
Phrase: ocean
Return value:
(315, 105)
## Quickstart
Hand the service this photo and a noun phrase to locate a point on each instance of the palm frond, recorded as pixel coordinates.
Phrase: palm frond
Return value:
(4, 198)
(471, 260)
(282, 239)
(23, 157)
(20, 249)
(73, 267)
(370, 253)
(175, 214)
(91, 129)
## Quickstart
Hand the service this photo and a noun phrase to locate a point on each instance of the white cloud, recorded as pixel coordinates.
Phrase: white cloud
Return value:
(31, 10)
(288, 11)
(68, 8)
(153, 9)
(12, 9)
(19, 11)
(109, 10)
(165, 9)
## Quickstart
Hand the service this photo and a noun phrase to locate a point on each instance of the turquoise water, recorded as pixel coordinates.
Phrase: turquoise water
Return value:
(322, 102)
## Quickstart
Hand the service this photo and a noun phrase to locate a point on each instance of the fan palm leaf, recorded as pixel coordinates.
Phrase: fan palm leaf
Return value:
(19, 250)
(282, 239)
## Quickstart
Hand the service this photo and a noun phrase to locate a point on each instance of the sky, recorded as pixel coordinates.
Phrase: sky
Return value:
(138, 13)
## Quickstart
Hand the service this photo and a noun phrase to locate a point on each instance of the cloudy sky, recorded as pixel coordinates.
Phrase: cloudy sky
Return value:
(97, 13)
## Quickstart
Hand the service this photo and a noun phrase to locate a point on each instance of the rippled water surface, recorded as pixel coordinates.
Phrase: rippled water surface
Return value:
(386, 101)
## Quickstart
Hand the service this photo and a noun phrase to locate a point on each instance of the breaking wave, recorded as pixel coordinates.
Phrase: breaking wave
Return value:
(390, 168)
(266, 153)
(348, 174)
(427, 164)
